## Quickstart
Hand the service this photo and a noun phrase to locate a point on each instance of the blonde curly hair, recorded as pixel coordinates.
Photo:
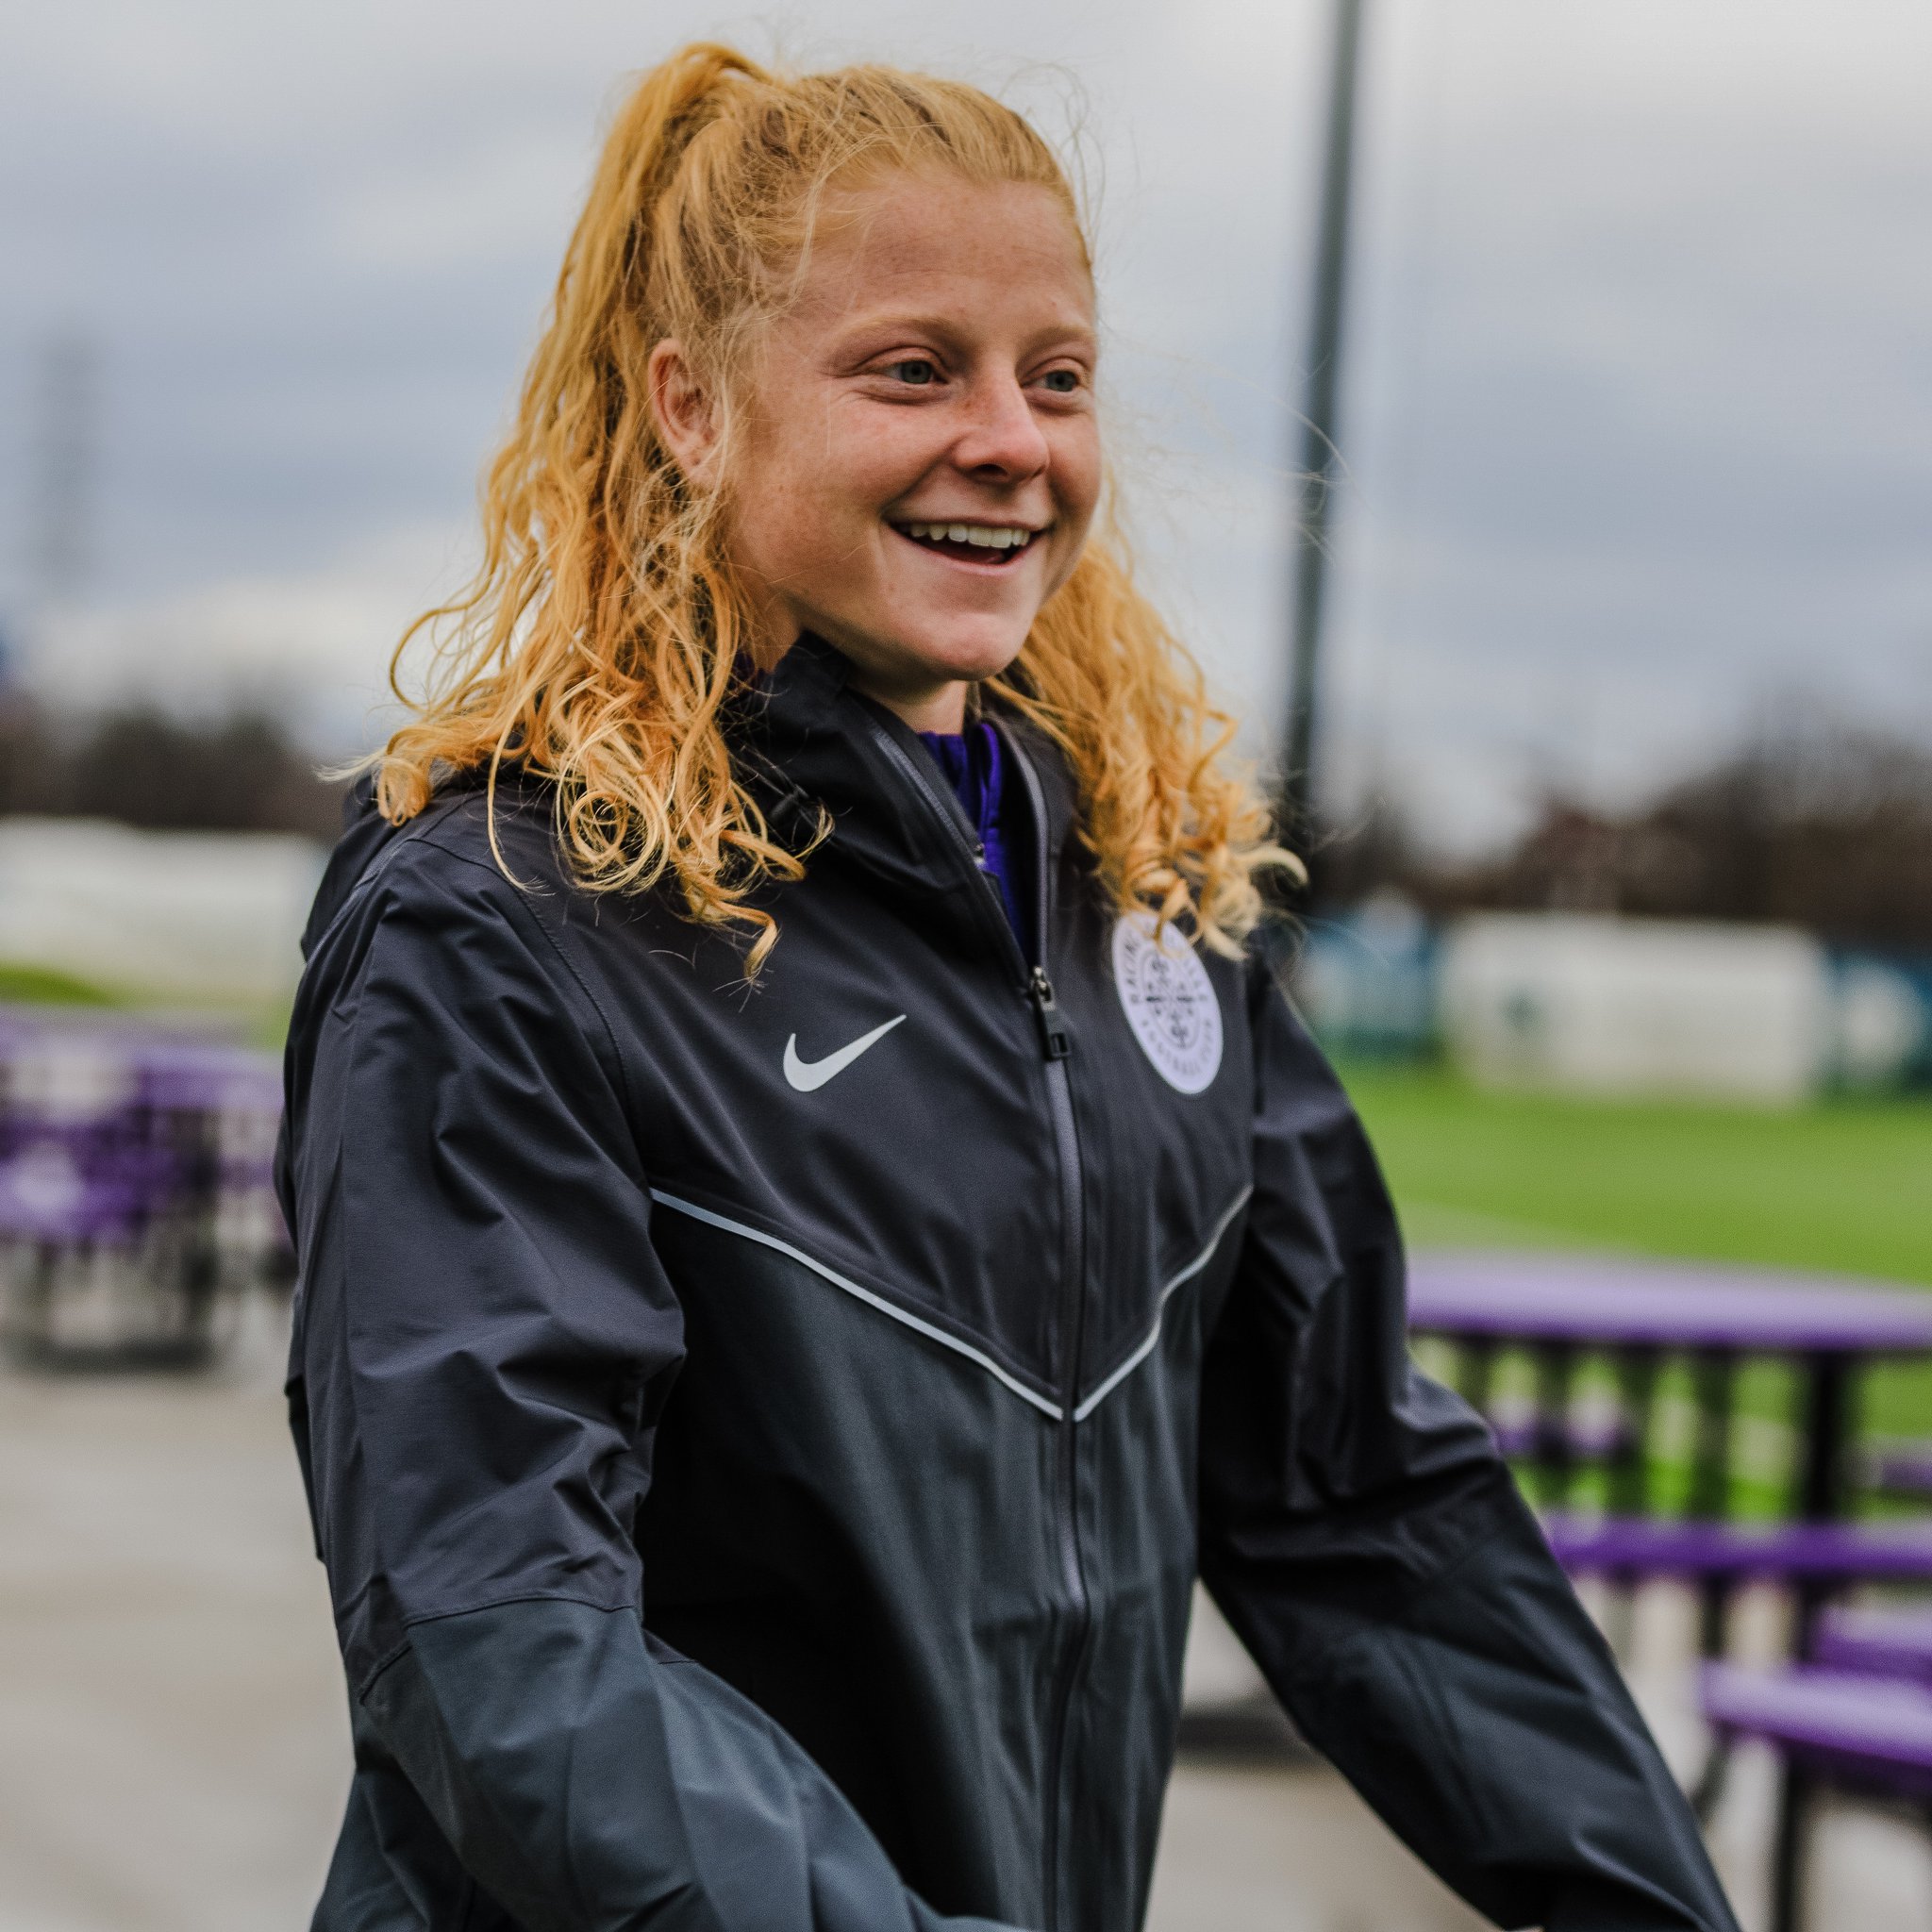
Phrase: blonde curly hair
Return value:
(604, 631)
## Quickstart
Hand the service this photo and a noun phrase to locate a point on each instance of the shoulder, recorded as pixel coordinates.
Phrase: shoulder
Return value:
(508, 830)
(473, 883)
(448, 928)
(469, 844)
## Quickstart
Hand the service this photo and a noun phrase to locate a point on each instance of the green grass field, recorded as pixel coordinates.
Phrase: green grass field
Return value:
(1841, 1188)
(1844, 1187)
(42, 986)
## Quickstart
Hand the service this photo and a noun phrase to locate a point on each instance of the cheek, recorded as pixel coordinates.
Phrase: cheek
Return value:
(1077, 471)
(1076, 459)
(872, 457)
(824, 483)
(793, 501)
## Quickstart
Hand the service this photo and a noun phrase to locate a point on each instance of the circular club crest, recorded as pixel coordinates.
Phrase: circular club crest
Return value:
(1169, 1002)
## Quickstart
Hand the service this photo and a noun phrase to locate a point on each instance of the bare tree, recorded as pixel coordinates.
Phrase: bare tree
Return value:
(241, 772)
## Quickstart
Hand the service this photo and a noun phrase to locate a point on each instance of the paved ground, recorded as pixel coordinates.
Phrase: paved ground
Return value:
(173, 1750)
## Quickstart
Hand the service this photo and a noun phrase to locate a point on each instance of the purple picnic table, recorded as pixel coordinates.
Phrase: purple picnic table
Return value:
(1561, 1304)
(148, 1146)
(1592, 1299)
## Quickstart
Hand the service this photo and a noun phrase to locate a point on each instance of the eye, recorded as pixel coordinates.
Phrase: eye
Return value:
(915, 372)
(1061, 382)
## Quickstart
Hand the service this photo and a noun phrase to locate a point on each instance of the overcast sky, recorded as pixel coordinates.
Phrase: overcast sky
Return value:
(1639, 397)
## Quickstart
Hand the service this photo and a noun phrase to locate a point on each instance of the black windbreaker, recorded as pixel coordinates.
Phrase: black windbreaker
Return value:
(763, 1440)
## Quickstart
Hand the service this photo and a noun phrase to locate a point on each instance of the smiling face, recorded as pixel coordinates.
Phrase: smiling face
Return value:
(919, 460)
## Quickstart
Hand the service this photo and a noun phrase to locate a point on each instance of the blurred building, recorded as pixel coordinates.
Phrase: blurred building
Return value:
(1598, 1004)
(1589, 1004)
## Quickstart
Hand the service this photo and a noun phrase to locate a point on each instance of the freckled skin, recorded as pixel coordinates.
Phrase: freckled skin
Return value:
(937, 367)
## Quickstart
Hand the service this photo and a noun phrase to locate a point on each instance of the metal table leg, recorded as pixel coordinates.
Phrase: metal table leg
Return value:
(1823, 1496)
(1715, 1385)
(1629, 1473)
(1787, 1850)
(1555, 1448)
(1636, 1372)
(1475, 1372)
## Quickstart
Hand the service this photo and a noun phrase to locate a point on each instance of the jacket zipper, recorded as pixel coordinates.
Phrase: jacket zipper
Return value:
(1056, 1046)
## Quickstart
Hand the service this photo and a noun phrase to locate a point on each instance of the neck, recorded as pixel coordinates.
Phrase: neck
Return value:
(926, 704)
(926, 708)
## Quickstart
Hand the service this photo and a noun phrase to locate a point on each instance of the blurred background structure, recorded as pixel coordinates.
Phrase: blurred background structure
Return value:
(1619, 810)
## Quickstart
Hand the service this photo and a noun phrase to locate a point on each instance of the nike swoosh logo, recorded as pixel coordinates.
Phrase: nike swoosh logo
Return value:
(807, 1077)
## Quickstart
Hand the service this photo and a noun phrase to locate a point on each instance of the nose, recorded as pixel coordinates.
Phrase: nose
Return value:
(1002, 440)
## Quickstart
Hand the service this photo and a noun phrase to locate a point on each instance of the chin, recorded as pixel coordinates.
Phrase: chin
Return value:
(971, 652)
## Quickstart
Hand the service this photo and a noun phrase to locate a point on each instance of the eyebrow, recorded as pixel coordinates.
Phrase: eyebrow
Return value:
(1082, 335)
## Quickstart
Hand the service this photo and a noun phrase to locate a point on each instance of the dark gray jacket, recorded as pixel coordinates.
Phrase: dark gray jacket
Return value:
(763, 1481)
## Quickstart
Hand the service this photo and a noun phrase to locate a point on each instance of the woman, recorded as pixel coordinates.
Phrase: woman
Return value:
(811, 1225)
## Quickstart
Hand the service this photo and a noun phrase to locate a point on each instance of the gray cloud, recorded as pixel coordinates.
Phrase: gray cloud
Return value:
(1639, 410)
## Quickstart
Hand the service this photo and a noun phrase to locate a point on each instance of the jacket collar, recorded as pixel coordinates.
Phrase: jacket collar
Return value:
(806, 739)
(802, 739)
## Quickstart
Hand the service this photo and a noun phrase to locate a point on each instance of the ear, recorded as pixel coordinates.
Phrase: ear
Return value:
(684, 411)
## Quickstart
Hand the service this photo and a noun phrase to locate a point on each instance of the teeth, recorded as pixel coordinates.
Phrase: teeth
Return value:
(985, 536)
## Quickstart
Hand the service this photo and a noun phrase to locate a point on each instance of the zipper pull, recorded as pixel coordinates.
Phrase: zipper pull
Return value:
(1054, 1040)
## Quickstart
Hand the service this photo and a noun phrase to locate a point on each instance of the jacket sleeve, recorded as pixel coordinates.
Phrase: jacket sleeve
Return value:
(1368, 1545)
(484, 1341)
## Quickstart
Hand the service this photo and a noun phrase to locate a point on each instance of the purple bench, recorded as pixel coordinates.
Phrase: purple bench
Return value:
(1879, 1728)
(1823, 1554)
(1815, 1561)
(1861, 1732)
(1876, 1642)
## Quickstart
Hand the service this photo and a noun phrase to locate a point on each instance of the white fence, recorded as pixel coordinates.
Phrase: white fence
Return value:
(193, 917)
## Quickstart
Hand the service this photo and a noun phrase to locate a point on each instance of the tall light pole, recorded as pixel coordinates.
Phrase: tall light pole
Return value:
(1318, 458)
